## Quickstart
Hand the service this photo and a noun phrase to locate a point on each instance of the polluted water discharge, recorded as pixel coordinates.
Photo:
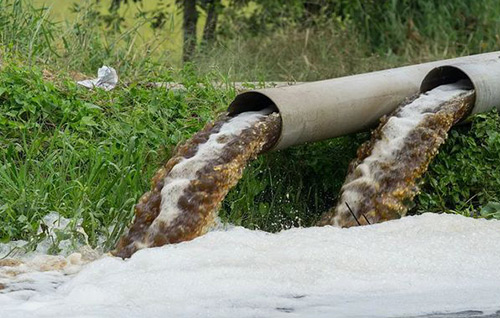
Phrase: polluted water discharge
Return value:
(402, 268)
(382, 180)
(188, 190)
(181, 205)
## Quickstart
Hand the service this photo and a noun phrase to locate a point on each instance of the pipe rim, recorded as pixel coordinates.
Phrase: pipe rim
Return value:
(255, 101)
(442, 75)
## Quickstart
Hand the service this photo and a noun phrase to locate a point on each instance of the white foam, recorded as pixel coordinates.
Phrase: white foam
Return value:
(411, 266)
(51, 226)
(182, 173)
(28, 276)
(392, 139)
(410, 116)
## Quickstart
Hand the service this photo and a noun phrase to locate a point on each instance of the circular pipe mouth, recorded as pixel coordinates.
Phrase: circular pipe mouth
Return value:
(250, 101)
(255, 101)
(443, 75)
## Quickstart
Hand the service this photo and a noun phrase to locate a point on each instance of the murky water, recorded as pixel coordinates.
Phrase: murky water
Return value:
(188, 190)
(383, 179)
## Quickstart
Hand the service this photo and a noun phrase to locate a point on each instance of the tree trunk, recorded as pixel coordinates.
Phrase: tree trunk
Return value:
(189, 25)
(115, 5)
(211, 23)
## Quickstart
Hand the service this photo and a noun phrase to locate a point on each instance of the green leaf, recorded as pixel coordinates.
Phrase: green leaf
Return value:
(491, 210)
(87, 121)
(91, 106)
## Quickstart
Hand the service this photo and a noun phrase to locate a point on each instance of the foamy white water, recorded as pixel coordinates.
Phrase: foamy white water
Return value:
(30, 273)
(415, 265)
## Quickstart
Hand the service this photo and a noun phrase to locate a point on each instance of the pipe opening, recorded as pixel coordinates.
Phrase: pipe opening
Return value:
(255, 101)
(444, 75)
(250, 101)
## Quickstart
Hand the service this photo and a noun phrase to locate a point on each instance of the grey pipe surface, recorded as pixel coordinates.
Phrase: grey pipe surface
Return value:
(330, 108)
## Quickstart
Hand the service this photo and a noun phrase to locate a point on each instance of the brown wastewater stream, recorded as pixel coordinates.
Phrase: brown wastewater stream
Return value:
(187, 191)
(381, 183)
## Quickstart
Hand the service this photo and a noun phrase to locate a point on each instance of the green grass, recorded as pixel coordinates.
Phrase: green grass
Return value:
(83, 43)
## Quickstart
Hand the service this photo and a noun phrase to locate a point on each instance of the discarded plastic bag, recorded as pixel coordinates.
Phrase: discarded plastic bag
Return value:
(107, 78)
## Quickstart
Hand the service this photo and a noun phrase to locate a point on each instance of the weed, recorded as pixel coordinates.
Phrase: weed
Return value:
(465, 176)
(292, 187)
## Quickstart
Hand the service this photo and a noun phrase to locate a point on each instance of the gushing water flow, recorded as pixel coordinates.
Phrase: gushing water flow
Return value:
(382, 180)
(187, 191)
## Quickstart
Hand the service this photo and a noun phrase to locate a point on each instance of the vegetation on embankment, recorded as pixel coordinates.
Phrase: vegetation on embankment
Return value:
(88, 155)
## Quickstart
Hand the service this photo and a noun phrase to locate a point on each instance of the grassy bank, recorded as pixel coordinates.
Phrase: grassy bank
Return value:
(89, 155)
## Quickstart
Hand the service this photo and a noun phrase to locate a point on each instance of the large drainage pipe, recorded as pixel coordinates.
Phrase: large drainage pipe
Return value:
(330, 108)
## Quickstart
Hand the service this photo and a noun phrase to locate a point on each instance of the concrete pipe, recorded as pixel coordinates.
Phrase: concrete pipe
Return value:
(330, 108)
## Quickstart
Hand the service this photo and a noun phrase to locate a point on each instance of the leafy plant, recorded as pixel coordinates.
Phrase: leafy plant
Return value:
(491, 210)
(465, 176)
(291, 187)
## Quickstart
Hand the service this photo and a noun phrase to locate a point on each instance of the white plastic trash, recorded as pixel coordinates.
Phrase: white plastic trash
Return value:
(107, 78)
